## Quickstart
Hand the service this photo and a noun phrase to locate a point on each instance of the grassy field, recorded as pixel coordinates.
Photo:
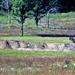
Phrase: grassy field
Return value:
(56, 16)
(36, 62)
(67, 18)
(16, 53)
(60, 23)
(14, 62)
(37, 39)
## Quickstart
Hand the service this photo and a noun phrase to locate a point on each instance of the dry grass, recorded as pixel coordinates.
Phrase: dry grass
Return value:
(37, 66)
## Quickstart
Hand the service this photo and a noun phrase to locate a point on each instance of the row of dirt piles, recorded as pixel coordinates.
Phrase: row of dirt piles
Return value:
(21, 45)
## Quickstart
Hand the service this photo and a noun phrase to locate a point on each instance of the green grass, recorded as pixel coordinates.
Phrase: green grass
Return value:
(37, 39)
(67, 18)
(52, 17)
(62, 15)
(16, 53)
(3, 19)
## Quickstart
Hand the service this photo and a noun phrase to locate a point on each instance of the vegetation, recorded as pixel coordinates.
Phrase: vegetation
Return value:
(16, 53)
(20, 62)
(52, 17)
(37, 39)
(21, 9)
(60, 23)
(36, 62)
(24, 8)
(41, 9)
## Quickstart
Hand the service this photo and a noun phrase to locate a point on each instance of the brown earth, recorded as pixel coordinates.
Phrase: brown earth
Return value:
(15, 30)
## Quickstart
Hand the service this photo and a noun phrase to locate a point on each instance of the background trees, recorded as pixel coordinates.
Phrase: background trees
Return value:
(37, 9)
(5, 5)
(63, 5)
(41, 8)
(21, 10)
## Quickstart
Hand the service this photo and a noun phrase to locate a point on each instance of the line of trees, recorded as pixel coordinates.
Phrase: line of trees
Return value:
(37, 9)
(63, 5)
(23, 9)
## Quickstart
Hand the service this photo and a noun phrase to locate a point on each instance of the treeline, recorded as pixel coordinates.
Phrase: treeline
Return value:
(5, 5)
(23, 9)
(63, 5)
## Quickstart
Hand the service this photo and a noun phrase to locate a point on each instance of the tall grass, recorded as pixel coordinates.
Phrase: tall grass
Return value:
(37, 66)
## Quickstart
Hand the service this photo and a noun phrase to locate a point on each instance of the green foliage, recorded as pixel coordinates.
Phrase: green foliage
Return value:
(41, 8)
(16, 53)
(22, 8)
(3, 19)
(27, 8)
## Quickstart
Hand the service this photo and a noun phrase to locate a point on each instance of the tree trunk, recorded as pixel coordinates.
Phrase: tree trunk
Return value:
(48, 22)
(22, 29)
(36, 20)
(48, 19)
(22, 22)
(9, 17)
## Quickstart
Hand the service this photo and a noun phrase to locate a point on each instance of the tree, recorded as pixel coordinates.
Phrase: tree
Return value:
(9, 4)
(1, 7)
(41, 8)
(5, 5)
(21, 9)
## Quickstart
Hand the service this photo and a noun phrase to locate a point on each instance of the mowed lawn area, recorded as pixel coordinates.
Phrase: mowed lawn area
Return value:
(37, 39)
(20, 54)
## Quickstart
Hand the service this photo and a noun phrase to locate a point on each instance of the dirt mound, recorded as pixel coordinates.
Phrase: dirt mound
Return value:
(19, 45)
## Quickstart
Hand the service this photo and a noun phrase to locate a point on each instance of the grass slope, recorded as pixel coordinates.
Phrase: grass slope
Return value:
(37, 39)
(15, 53)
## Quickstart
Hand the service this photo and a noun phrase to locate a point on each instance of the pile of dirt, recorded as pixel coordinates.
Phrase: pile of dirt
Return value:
(21, 45)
